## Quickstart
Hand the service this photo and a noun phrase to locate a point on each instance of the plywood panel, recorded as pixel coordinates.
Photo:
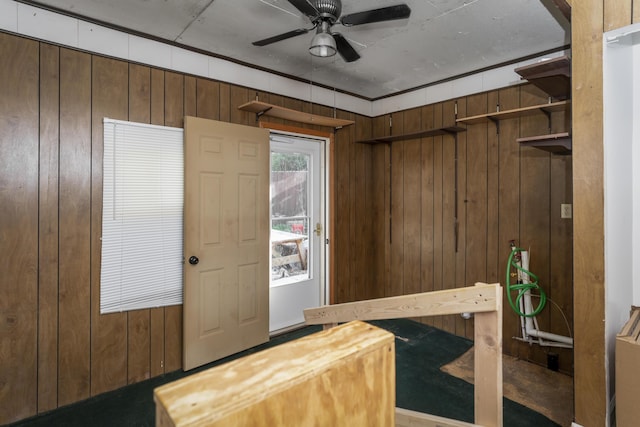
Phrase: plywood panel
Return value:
(336, 373)
(48, 229)
(589, 348)
(617, 13)
(19, 213)
(238, 96)
(174, 116)
(412, 190)
(75, 228)
(109, 98)
(438, 206)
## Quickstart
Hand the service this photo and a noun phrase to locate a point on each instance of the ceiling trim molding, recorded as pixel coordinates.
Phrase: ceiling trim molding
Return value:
(36, 22)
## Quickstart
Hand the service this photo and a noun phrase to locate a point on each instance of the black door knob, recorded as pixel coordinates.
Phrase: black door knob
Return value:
(193, 260)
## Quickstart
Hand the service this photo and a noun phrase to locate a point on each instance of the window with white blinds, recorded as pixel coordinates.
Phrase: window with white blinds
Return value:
(142, 216)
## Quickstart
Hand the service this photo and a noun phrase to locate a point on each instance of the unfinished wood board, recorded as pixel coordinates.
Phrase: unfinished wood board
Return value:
(517, 112)
(264, 108)
(547, 392)
(341, 376)
(407, 418)
(473, 299)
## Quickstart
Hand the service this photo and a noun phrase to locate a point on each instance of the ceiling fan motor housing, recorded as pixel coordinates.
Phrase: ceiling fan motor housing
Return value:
(329, 9)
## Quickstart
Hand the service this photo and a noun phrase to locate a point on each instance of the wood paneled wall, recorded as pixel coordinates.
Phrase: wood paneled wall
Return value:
(442, 212)
(412, 216)
(55, 347)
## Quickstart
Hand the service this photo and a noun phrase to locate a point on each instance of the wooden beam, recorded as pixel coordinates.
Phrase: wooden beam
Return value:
(565, 7)
(473, 299)
(488, 367)
(407, 418)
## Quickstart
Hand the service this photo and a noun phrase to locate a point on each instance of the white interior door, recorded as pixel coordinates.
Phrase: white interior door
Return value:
(226, 240)
(297, 229)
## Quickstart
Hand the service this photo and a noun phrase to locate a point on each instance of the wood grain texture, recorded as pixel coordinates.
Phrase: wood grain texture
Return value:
(588, 220)
(461, 228)
(109, 98)
(19, 237)
(156, 315)
(74, 339)
(139, 321)
(450, 227)
(358, 233)
(438, 205)
(208, 99)
(509, 202)
(396, 274)
(343, 216)
(379, 213)
(174, 116)
(48, 229)
(471, 299)
(617, 13)
(494, 259)
(336, 373)
(412, 204)
(427, 232)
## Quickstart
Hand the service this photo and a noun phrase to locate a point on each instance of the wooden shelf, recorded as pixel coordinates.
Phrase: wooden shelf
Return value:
(552, 76)
(451, 130)
(266, 109)
(557, 143)
(518, 112)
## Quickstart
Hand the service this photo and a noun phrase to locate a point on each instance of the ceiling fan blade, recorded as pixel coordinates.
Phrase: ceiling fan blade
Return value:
(305, 7)
(390, 13)
(345, 49)
(281, 37)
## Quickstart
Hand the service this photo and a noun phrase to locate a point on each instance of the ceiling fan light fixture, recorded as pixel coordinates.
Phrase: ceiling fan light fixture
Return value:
(323, 44)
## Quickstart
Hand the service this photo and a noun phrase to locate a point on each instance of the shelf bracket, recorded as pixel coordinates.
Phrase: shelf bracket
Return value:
(496, 122)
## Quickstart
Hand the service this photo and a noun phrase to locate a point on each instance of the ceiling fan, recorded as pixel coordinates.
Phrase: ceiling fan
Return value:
(326, 13)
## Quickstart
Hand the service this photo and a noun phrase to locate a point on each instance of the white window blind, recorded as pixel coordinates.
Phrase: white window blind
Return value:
(142, 216)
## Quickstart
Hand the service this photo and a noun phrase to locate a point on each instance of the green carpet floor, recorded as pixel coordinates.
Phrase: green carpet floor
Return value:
(420, 385)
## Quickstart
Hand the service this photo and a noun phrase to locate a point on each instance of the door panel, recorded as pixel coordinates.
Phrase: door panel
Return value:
(226, 292)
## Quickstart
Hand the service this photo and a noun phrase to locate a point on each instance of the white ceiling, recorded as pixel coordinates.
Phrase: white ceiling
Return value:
(442, 38)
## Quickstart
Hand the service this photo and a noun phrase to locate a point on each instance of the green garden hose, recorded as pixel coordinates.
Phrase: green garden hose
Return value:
(522, 288)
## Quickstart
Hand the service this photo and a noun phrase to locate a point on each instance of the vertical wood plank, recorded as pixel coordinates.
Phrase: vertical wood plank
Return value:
(139, 321)
(617, 13)
(438, 209)
(225, 102)
(396, 278)
(156, 315)
(488, 367)
(74, 336)
(363, 228)
(412, 203)
(588, 222)
(109, 98)
(509, 200)
(494, 260)
(19, 240)
(379, 215)
(357, 280)
(449, 226)
(190, 96)
(238, 96)
(48, 239)
(476, 200)
(427, 232)
(174, 116)
(208, 99)
(343, 211)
